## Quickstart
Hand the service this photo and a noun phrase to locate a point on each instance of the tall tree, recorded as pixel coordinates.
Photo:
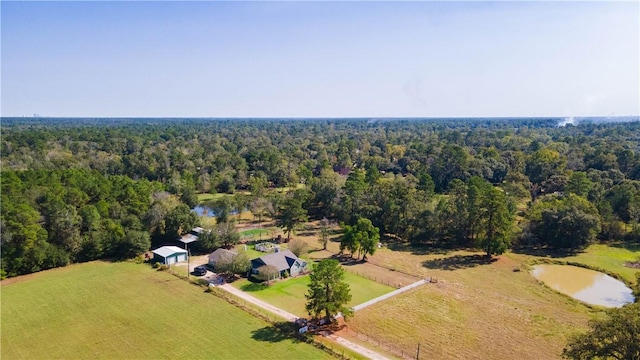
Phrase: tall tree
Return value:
(258, 206)
(324, 233)
(325, 193)
(292, 213)
(328, 292)
(496, 221)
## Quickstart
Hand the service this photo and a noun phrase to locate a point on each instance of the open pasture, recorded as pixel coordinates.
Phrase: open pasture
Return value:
(103, 310)
(481, 309)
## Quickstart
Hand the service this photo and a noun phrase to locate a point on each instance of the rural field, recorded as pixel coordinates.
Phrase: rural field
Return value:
(126, 310)
(476, 310)
(481, 310)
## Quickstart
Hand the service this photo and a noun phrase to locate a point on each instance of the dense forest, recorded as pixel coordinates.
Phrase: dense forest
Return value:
(81, 189)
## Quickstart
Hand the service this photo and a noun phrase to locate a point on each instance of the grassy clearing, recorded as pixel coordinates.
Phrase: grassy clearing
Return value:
(610, 258)
(289, 294)
(261, 234)
(598, 256)
(250, 250)
(481, 309)
(125, 310)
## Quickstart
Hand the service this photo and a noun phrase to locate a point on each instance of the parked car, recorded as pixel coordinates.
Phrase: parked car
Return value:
(200, 271)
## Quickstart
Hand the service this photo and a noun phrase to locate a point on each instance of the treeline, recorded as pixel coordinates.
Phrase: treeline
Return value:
(53, 217)
(477, 182)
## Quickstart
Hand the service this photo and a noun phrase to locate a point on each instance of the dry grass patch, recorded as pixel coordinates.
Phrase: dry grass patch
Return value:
(477, 310)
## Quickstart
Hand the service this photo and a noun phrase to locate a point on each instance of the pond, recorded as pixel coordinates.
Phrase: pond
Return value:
(589, 286)
(209, 211)
(202, 210)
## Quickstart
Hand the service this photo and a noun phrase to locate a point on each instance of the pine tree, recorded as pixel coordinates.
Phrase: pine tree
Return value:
(328, 292)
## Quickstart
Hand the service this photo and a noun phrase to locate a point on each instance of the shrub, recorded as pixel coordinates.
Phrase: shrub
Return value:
(161, 267)
(298, 247)
(267, 273)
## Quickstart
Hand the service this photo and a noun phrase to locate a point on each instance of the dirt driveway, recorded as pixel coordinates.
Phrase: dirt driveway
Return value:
(196, 261)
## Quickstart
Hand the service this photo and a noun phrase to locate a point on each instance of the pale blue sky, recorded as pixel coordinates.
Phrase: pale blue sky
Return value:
(320, 59)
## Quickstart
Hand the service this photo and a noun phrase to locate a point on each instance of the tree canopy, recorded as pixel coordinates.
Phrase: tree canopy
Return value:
(362, 237)
(66, 184)
(615, 337)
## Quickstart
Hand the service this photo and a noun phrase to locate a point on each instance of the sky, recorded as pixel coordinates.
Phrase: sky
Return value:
(320, 59)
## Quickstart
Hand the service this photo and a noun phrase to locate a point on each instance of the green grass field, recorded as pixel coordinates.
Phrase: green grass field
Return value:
(611, 258)
(250, 250)
(264, 234)
(106, 310)
(289, 294)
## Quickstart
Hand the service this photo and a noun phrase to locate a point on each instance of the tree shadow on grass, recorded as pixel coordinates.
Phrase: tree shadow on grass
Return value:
(253, 286)
(458, 262)
(275, 333)
(306, 233)
(631, 246)
(346, 260)
(548, 252)
(418, 249)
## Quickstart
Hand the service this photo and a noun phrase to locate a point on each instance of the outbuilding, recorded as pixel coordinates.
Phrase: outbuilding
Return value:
(169, 255)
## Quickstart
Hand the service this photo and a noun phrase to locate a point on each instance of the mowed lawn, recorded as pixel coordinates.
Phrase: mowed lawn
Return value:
(104, 310)
(479, 309)
(289, 294)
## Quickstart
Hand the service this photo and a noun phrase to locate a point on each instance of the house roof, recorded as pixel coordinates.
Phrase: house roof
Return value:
(168, 251)
(282, 260)
(189, 238)
(221, 254)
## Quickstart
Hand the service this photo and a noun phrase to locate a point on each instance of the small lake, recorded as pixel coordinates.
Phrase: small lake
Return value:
(204, 211)
(208, 211)
(589, 286)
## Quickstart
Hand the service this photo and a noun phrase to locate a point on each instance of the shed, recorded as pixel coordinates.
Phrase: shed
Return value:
(169, 255)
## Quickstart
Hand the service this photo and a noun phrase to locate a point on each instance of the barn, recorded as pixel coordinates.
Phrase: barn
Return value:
(169, 255)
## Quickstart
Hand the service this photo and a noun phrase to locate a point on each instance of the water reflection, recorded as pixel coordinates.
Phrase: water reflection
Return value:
(209, 211)
(204, 211)
(586, 285)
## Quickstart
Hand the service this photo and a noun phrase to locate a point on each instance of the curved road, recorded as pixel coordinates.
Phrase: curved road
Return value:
(290, 317)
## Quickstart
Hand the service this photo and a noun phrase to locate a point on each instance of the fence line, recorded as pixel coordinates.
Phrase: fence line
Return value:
(388, 295)
(427, 279)
(398, 351)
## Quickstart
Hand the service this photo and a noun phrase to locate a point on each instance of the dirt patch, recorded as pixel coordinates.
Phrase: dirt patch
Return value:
(632, 264)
